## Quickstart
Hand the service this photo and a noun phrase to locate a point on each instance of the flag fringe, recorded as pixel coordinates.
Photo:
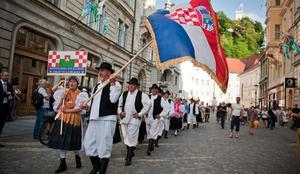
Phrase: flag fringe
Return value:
(172, 62)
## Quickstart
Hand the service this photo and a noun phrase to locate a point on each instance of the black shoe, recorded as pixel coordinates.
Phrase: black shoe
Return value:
(166, 135)
(129, 156)
(149, 147)
(1, 145)
(103, 166)
(62, 166)
(188, 126)
(96, 164)
(156, 143)
(78, 161)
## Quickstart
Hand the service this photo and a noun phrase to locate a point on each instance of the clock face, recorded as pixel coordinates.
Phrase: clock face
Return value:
(290, 82)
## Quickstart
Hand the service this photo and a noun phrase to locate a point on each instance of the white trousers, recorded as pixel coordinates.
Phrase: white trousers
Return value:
(63, 153)
(191, 119)
(98, 138)
(167, 124)
(152, 128)
(161, 127)
(130, 134)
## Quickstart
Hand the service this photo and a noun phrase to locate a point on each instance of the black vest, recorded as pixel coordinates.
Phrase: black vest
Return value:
(157, 109)
(106, 107)
(194, 108)
(138, 101)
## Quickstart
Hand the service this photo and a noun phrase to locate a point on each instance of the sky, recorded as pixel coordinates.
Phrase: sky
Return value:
(255, 9)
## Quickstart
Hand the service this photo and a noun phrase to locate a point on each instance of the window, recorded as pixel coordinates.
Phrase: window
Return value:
(125, 35)
(55, 2)
(277, 32)
(120, 31)
(176, 80)
(277, 2)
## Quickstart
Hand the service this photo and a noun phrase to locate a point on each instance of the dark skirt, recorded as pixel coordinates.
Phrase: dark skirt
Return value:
(69, 140)
(199, 118)
(175, 123)
(185, 118)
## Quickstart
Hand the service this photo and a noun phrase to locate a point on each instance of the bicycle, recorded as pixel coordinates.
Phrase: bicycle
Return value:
(47, 127)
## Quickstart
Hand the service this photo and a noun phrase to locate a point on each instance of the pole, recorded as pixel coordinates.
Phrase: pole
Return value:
(63, 105)
(106, 82)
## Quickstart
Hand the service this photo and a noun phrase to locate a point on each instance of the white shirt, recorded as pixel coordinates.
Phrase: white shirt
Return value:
(130, 109)
(236, 109)
(192, 107)
(5, 100)
(163, 104)
(115, 92)
(45, 94)
(169, 107)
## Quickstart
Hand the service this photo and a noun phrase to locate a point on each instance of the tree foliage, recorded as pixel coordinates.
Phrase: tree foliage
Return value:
(240, 38)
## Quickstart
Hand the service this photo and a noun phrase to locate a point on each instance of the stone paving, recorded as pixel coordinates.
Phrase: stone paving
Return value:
(204, 150)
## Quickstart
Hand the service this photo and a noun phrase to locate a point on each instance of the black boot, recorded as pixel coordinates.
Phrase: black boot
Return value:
(78, 161)
(127, 148)
(149, 147)
(62, 166)
(166, 134)
(194, 126)
(96, 164)
(104, 164)
(156, 142)
(188, 126)
(152, 145)
(129, 157)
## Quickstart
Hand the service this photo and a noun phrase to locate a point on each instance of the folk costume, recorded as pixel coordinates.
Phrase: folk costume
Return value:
(131, 103)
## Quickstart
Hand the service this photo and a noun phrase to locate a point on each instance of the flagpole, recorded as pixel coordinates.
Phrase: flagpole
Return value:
(106, 82)
(63, 105)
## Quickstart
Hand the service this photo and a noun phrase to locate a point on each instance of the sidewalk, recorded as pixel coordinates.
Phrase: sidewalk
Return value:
(21, 126)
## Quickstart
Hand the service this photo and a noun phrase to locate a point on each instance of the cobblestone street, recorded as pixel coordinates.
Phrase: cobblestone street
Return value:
(204, 150)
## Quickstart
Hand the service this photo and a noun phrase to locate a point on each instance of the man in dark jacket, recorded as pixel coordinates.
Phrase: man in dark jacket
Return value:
(6, 93)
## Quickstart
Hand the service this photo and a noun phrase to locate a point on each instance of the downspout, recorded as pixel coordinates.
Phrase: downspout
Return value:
(133, 37)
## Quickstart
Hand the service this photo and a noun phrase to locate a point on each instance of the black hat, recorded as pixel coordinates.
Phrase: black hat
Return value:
(155, 86)
(134, 81)
(168, 92)
(105, 65)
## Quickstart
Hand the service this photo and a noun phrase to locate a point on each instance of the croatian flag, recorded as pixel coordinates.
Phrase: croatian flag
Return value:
(189, 32)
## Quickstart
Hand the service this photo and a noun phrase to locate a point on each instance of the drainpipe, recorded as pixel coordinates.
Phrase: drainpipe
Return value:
(133, 37)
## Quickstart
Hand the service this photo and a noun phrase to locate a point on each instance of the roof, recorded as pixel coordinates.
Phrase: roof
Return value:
(251, 62)
(235, 65)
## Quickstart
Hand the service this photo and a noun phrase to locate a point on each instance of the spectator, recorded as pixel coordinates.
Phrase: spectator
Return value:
(42, 89)
(6, 93)
(265, 117)
(16, 98)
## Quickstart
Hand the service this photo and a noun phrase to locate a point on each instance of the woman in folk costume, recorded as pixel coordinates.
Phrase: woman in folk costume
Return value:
(102, 126)
(176, 116)
(133, 105)
(157, 111)
(70, 139)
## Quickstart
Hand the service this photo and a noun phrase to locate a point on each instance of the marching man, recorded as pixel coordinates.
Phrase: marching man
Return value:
(169, 103)
(193, 111)
(133, 105)
(103, 119)
(157, 111)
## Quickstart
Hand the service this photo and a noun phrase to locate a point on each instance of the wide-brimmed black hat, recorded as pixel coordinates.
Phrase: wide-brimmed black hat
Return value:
(105, 65)
(134, 81)
(167, 92)
(155, 86)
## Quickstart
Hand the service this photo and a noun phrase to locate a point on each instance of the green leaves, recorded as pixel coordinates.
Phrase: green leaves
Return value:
(240, 38)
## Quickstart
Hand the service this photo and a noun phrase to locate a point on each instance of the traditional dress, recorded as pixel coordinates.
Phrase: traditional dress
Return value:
(131, 103)
(167, 118)
(176, 117)
(71, 138)
(102, 122)
(158, 107)
(193, 111)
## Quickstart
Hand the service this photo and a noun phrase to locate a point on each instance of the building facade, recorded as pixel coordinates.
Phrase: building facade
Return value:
(249, 82)
(29, 29)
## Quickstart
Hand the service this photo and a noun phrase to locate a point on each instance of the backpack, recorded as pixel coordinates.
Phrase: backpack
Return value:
(37, 99)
